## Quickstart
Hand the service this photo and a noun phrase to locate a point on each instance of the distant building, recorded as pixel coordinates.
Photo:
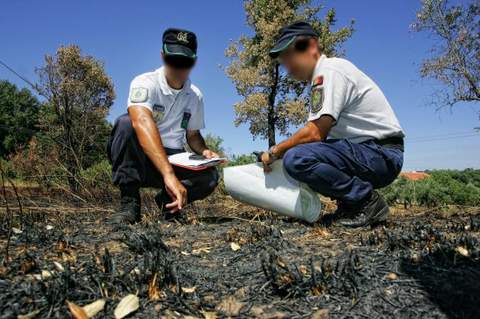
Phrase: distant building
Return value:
(414, 176)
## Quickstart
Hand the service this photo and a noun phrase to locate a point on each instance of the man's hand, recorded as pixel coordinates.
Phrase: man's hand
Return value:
(176, 191)
(208, 154)
(267, 159)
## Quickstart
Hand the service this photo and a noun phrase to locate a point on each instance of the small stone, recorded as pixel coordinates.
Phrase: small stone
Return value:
(321, 314)
(392, 276)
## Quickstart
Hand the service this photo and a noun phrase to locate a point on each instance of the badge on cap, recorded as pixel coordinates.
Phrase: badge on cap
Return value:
(182, 37)
(139, 95)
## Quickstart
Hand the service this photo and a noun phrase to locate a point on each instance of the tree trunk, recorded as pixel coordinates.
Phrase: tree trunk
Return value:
(72, 183)
(271, 117)
(271, 126)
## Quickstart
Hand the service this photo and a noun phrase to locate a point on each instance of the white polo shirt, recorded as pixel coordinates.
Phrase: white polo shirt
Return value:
(357, 104)
(174, 111)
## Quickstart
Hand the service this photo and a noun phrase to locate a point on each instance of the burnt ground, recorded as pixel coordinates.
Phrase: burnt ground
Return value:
(421, 265)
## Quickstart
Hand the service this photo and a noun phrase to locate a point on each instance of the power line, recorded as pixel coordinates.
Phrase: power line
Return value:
(34, 86)
(443, 138)
(440, 135)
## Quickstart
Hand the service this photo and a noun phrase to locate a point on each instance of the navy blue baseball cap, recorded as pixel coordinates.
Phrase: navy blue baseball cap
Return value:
(288, 34)
(180, 42)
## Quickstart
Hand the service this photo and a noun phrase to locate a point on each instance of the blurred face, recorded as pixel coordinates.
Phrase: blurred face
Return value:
(300, 59)
(178, 67)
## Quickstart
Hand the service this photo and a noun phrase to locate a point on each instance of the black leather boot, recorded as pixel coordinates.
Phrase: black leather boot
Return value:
(129, 211)
(372, 213)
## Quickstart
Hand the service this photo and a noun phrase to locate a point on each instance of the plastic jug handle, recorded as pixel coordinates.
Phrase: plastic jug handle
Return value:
(258, 155)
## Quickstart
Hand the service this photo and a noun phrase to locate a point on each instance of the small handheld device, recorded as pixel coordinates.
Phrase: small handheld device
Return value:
(197, 157)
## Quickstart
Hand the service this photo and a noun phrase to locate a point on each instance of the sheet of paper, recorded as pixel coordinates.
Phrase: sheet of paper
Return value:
(183, 159)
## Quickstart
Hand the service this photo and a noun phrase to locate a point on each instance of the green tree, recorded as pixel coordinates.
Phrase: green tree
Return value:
(18, 117)
(79, 95)
(455, 59)
(271, 101)
(215, 143)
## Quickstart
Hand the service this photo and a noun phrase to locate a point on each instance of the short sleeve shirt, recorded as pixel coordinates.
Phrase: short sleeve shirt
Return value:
(174, 111)
(358, 106)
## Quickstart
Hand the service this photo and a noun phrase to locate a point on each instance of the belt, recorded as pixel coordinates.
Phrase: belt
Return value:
(391, 142)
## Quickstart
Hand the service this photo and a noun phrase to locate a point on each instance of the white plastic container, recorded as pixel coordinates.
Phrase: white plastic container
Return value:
(275, 191)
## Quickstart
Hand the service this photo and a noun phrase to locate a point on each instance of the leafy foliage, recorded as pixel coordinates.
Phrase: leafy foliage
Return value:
(444, 187)
(97, 180)
(39, 162)
(242, 159)
(272, 102)
(455, 60)
(18, 117)
(73, 121)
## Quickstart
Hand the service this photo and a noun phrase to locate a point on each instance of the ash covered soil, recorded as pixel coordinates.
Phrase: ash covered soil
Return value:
(231, 260)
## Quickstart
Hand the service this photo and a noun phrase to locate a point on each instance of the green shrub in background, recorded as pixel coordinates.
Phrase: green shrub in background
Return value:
(399, 192)
(243, 159)
(215, 143)
(444, 187)
(8, 168)
(431, 193)
(96, 181)
(97, 176)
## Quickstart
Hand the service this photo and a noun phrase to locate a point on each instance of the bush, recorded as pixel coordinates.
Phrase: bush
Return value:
(38, 162)
(430, 193)
(97, 176)
(444, 187)
(97, 180)
(401, 191)
(8, 168)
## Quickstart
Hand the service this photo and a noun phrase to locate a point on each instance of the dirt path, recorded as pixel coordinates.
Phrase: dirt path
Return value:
(231, 260)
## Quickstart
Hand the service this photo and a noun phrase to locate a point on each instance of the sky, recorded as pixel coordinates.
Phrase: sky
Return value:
(126, 36)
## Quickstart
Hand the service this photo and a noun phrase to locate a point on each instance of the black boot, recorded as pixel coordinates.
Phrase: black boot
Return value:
(345, 210)
(372, 213)
(129, 212)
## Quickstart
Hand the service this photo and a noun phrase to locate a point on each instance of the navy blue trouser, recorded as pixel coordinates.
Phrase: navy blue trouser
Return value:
(131, 168)
(343, 170)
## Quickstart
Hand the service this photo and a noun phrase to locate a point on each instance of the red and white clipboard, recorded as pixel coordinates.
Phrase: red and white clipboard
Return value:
(193, 162)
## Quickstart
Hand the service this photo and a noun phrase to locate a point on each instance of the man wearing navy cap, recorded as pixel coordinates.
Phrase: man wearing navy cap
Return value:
(165, 112)
(352, 143)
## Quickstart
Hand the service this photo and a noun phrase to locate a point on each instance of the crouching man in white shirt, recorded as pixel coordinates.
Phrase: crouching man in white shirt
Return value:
(352, 142)
(164, 110)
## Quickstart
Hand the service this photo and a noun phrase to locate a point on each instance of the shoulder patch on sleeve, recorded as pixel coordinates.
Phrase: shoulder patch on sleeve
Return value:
(139, 94)
(316, 100)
